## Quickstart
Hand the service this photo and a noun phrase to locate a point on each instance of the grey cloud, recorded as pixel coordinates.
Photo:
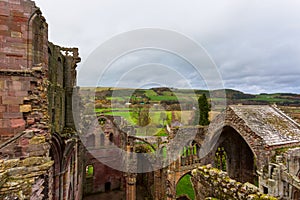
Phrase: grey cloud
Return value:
(255, 44)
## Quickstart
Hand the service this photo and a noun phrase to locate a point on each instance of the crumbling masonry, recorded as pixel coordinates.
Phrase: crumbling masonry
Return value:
(40, 153)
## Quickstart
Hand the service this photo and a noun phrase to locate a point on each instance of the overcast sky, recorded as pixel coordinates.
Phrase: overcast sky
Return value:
(255, 44)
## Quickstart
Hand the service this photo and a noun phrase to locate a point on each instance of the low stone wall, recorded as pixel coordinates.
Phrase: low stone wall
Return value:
(23, 179)
(211, 182)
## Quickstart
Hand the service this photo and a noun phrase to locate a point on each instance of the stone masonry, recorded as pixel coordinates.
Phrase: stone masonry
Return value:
(39, 150)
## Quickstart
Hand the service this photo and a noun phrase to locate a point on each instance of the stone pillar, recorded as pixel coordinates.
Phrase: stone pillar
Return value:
(157, 185)
(61, 186)
(131, 187)
(71, 58)
(171, 185)
(191, 156)
(130, 176)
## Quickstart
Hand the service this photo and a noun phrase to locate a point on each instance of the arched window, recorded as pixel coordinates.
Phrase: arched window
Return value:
(89, 171)
(111, 137)
(38, 27)
(221, 159)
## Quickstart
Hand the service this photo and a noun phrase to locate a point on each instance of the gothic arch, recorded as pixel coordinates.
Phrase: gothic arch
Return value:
(230, 119)
(240, 157)
(181, 176)
(235, 128)
(68, 153)
(56, 153)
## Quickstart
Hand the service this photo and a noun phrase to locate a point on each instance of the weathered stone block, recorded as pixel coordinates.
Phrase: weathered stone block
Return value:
(10, 115)
(13, 108)
(37, 140)
(2, 84)
(2, 108)
(4, 123)
(24, 142)
(15, 123)
(30, 120)
(4, 12)
(15, 34)
(15, 2)
(21, 93)
(25, 108)
(12, 100)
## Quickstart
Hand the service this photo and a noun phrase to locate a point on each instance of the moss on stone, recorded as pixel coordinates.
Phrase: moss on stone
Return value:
(37, 140)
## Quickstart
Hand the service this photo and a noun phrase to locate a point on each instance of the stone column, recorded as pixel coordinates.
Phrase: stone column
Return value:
(131, 187)
(171, 185)
(191, 156)
(61, 186)
(130, 176)
(157, 185)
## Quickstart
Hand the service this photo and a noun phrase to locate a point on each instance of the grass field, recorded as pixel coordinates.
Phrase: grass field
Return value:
(184, 186)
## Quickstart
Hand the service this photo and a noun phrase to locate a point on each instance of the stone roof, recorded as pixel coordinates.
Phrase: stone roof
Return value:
(269, 123)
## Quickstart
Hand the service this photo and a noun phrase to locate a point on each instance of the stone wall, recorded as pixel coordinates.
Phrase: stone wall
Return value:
(21, 178)
(103, 143)
(211, 182)
(23, 33)
(104, 178)
(40, 154)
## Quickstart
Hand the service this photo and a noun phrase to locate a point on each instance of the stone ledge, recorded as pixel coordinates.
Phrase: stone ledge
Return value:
(223, 187)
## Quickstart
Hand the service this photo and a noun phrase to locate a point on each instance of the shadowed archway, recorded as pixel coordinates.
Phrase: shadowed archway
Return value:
(239, 159)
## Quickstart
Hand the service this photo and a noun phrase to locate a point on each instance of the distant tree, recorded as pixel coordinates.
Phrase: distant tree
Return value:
(163, 117)
(169, 119)
(141, 115)
(203, 110)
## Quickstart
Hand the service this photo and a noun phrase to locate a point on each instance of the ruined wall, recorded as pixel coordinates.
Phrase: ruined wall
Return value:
(292, 164)
(281, 177)
(19, 83)
(211, 182)
(104, 178)
(102, 145)
(62, 80)
(36, 124)
(24, 35)
(27, 178)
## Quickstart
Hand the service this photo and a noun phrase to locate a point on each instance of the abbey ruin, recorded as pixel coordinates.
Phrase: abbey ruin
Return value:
(44, 156)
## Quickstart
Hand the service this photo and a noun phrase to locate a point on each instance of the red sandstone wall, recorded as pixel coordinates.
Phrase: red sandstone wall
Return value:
(35, 98)
(23, 45)
(102, 174)
(12, 93)
(15, 34)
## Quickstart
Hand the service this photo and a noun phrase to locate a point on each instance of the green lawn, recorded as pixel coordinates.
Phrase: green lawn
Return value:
(185, 186)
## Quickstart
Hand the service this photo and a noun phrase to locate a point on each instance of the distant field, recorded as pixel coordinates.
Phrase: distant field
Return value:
(154, 97)
(293, 112)
(267, 98)
(154, 115)
(156, 121)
